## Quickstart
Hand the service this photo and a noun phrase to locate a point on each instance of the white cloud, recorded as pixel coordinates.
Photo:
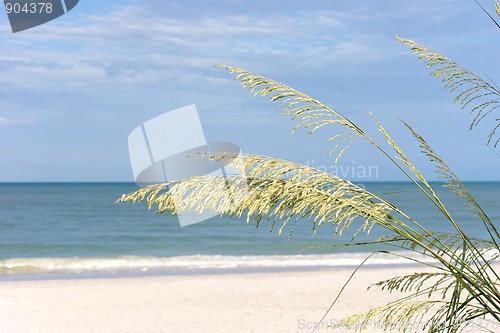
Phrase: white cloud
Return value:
(11, 121)
(135, 44)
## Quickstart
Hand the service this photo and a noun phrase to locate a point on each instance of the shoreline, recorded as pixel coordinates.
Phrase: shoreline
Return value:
(5, 278)
(134, 266)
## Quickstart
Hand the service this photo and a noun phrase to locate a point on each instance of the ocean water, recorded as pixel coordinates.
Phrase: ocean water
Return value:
(76, 228)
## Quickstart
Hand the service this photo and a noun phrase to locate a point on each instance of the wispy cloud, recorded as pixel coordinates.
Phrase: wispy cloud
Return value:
(10, 121)
(134, 44)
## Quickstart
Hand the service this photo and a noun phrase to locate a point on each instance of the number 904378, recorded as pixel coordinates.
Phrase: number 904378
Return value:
(29, 8)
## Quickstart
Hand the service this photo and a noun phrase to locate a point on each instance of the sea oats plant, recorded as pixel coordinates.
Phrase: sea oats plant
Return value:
(462, 285)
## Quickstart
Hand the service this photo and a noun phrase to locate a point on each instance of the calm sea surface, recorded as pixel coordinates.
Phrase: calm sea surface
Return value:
(77, 227)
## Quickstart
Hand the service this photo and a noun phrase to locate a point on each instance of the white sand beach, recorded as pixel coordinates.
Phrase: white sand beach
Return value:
(250, 302)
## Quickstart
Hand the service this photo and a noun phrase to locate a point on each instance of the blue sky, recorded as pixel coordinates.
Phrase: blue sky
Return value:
(74, 88)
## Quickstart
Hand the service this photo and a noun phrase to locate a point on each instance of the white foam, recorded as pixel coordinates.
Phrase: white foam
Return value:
(186, 263)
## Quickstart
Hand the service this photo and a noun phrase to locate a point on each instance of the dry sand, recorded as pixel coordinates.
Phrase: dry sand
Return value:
(250, 302)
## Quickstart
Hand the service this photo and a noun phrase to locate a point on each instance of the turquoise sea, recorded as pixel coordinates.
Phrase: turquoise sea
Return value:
(76, 228)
